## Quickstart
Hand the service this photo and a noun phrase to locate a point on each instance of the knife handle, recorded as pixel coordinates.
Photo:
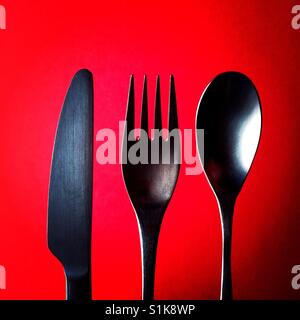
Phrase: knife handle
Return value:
(79, 288)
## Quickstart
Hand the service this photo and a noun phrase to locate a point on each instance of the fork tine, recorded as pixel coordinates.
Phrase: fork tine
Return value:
(173, 118)
(130, 106)
(144, 117)
(158, 118)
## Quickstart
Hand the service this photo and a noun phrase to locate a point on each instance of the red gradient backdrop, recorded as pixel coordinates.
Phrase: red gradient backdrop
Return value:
(46, 42)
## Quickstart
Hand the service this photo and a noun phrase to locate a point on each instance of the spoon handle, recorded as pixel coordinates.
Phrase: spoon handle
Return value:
(227, 215)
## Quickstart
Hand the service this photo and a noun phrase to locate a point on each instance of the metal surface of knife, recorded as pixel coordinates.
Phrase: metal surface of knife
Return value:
(70, 191)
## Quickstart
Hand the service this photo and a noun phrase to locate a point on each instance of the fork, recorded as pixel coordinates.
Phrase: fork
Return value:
(150, 184)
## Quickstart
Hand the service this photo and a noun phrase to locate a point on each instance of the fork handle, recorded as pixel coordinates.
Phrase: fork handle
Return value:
(149, 238)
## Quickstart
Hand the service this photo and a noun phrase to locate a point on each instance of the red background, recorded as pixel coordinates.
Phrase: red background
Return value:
(46, 42)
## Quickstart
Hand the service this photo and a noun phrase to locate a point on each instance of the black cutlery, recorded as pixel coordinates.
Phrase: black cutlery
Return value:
(230, 114)
(70, 192)
(151, 184)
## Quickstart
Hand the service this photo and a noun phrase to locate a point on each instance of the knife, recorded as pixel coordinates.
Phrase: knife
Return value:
(70, 191)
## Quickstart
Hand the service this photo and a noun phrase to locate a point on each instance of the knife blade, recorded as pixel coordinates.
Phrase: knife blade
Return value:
(70, 190)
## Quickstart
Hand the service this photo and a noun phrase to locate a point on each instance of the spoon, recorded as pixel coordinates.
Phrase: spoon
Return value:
(229, 112)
